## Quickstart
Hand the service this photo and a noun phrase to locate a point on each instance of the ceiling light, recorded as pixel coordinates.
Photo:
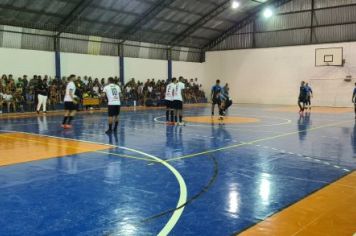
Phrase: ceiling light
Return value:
(235, 4)
(268, 13)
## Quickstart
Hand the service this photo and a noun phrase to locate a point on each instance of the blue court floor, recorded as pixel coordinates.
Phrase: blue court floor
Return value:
(198, 179)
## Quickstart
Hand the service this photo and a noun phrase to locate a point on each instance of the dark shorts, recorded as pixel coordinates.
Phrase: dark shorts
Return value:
(216, 101)
(178, 105)
(227, 104)
(169, 104)
(302, 99)
(70, 106)
(113, 110)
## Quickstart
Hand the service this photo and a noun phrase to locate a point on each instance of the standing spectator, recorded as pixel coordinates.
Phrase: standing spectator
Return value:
(25, 86)
(42, 91)
(53, 94)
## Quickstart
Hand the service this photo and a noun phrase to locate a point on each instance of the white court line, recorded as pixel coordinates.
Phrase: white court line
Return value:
(182, 185)
(309, 158)
(156, 119)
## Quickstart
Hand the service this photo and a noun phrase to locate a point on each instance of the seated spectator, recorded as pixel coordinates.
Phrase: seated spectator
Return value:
(9, 100)
(21, 94)
(1, 102)
(19, 101)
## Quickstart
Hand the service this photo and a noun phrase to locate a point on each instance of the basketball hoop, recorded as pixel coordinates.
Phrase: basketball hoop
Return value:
(348, 78)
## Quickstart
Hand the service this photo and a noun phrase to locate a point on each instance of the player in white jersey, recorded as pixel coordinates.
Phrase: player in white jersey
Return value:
(169, 102)
(70, 103)
(113, 93)
(178, 100)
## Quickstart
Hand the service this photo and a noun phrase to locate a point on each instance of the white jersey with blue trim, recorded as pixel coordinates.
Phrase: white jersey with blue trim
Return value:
(178, 90)
(112, 92)
(169, 92)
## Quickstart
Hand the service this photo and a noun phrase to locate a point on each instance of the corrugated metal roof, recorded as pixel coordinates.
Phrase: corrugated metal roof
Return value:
(140, 18)
(184, 23)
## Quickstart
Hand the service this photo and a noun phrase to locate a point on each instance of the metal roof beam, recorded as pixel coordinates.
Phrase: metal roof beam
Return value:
(145, 17)
(155, 18)
(26, 10)
(199, 23)
(253, 15)
(115, 35)
(196, 13)
(73, 15)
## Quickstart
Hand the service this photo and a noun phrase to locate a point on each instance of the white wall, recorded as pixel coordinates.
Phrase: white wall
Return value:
(20, 62)
(90, 65)
(191, 70)
(143, 69)
(273, 75)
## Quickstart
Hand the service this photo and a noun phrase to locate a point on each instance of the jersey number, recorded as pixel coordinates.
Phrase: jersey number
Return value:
(114, 91)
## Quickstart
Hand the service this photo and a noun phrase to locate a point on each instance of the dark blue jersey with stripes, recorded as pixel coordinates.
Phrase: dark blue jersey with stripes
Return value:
(303, 92)
(215, 90)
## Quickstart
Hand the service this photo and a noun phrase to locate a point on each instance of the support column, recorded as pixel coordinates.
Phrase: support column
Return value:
(202, 56)
(254, 34)
(122, 64)
(311, 22)
(170, 67)
(57, 57)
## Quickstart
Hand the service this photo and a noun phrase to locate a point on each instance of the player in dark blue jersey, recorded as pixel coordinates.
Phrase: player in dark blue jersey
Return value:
(354, 99)
(226, 102)
(215, 96)
(309, 96)
(302, 99)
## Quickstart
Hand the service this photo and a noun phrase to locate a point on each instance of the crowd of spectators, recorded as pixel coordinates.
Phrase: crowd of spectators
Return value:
(21, 95)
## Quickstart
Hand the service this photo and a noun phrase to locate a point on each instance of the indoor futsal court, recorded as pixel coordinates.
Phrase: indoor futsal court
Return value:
(177, 117)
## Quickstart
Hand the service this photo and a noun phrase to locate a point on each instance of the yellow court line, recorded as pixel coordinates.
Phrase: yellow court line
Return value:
(329, 211)
(255, 141)
(82, 149)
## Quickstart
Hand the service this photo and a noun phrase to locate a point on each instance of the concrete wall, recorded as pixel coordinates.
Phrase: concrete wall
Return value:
(273, 75)
(143, 69)
(30, 62)
(95, 66)
(26, 62)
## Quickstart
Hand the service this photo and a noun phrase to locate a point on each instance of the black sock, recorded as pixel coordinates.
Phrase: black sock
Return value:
(64, 120)
(116, 124)
(167, 115)
(180, 119)
(70, 119)
(110, 126)
(172, 116)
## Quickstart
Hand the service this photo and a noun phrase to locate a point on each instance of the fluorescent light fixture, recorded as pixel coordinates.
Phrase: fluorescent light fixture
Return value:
(268, 12)
(235, 4)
